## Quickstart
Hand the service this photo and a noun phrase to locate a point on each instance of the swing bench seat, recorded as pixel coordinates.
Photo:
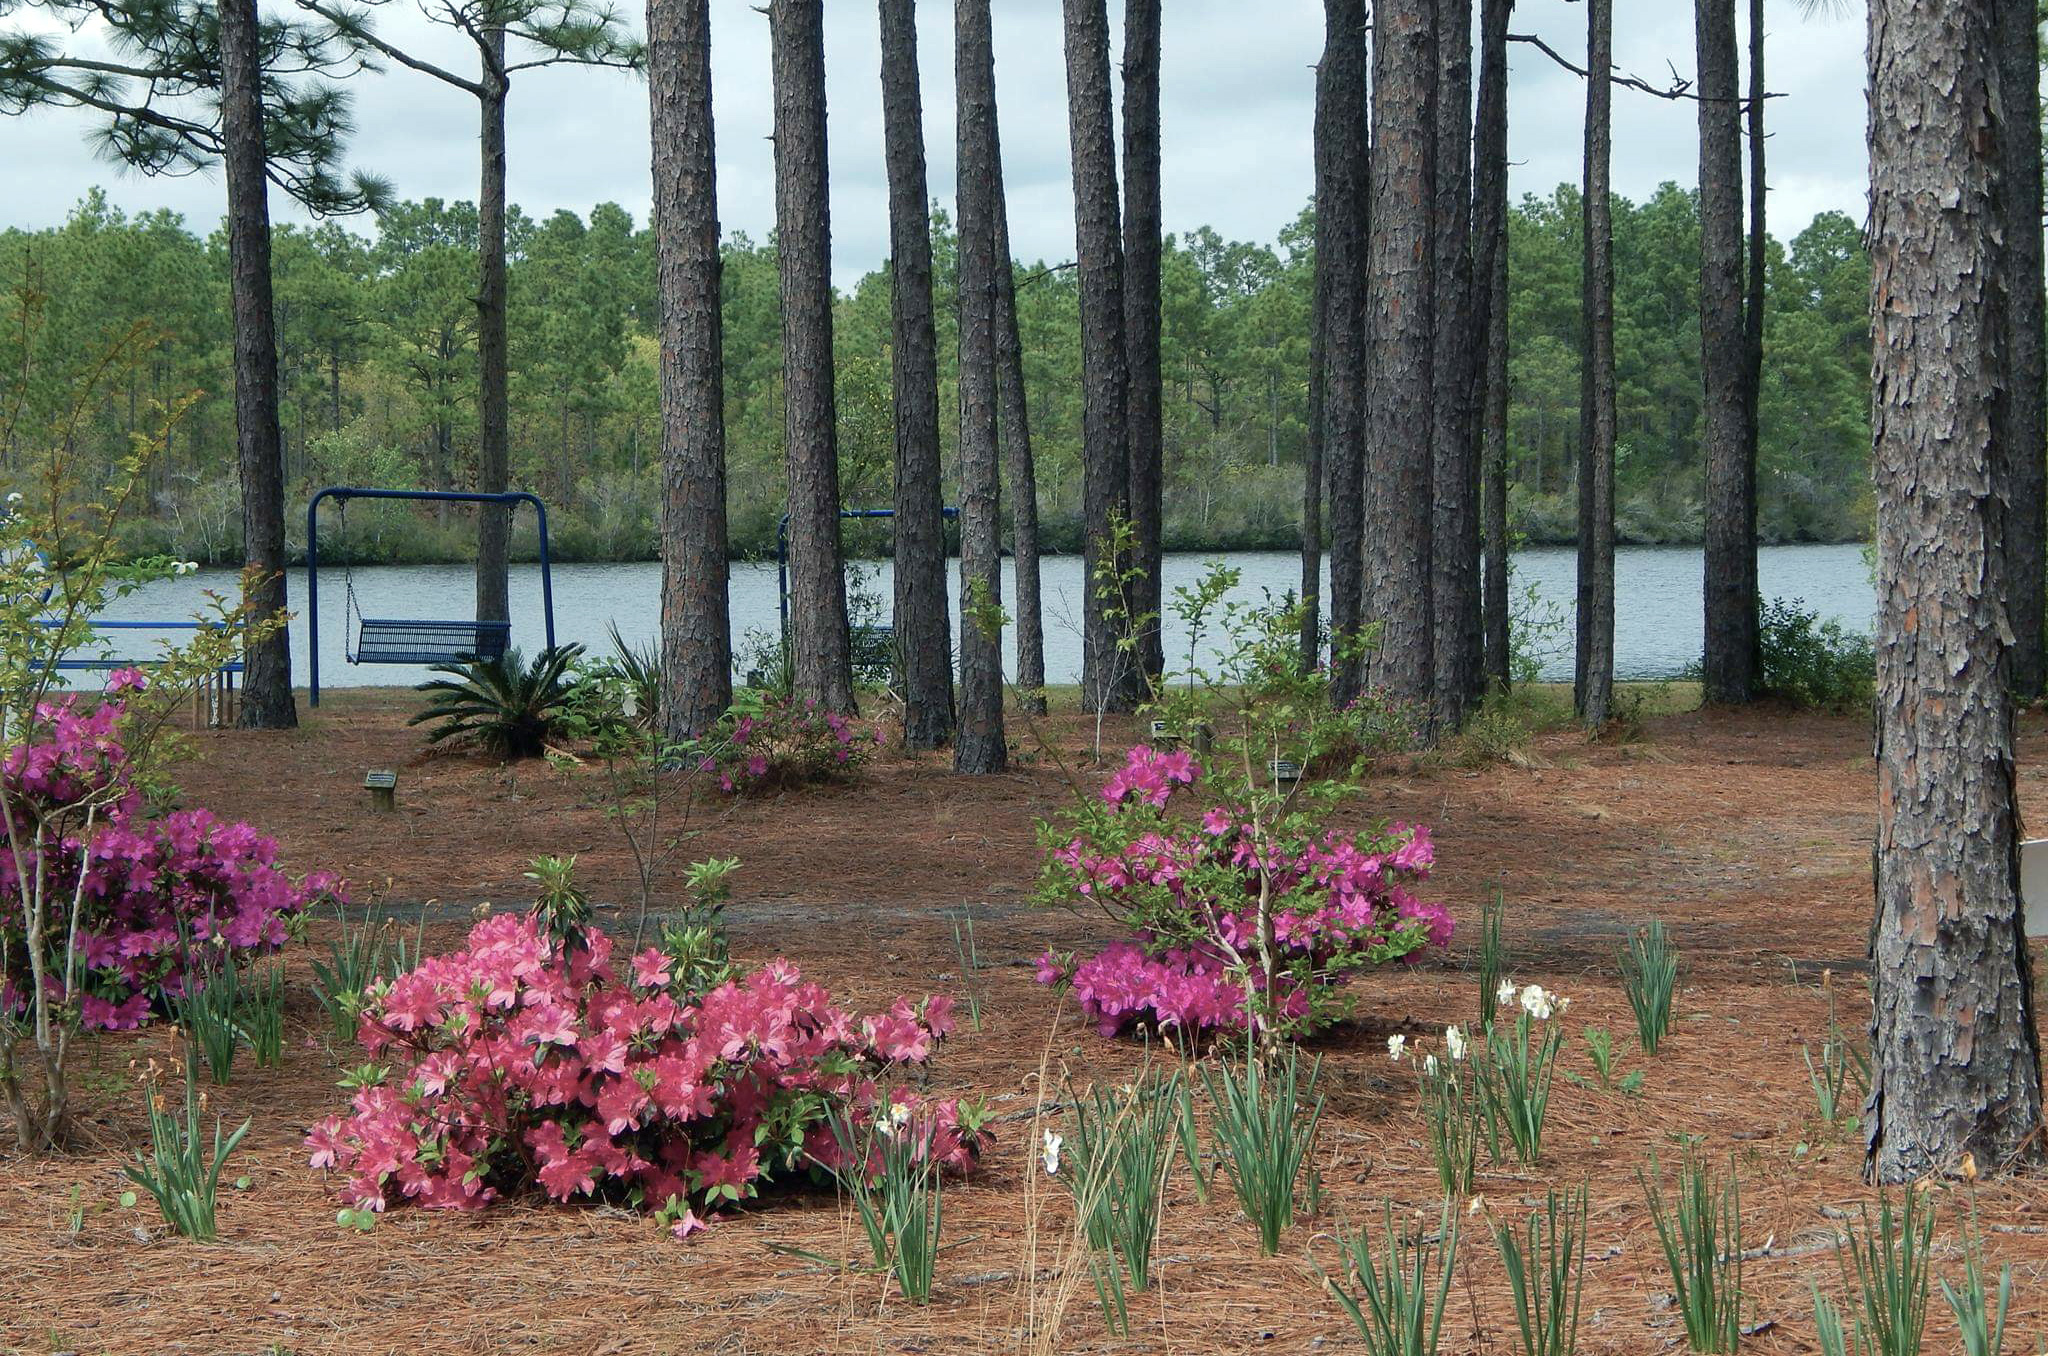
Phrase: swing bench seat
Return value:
(395, 640)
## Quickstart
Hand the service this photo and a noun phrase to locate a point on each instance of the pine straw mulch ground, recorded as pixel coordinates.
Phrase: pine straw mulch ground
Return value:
(1748, 832)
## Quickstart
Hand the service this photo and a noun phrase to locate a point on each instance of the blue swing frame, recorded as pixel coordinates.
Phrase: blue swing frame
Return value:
(782, 556)
(420, 629)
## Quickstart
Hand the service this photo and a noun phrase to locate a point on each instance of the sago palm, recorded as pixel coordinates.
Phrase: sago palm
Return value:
(504, 705)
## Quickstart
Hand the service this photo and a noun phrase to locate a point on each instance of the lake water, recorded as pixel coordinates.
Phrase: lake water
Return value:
(1657, 604)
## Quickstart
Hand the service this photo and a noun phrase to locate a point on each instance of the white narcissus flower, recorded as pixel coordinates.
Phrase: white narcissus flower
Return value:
(1051, 1153)
(1397, 1046)
(1505, 994)
(1537, 1003)
(1454, 1041)
(14, 496)
(1429, 1065)
(899, 1116)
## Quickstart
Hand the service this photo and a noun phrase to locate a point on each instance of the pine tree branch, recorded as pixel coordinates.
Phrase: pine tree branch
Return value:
(1680, 88)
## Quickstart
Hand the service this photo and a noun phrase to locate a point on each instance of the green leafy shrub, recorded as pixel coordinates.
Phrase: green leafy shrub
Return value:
(1810, 662)
(505, 706)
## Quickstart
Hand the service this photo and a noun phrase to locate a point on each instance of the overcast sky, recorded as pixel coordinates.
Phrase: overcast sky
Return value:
(1237, 93)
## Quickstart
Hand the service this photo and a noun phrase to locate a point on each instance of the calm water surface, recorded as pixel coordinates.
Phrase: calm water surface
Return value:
(1657, 604)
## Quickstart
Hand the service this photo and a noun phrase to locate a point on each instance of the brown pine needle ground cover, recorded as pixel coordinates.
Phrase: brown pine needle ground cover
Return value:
(1747, 832)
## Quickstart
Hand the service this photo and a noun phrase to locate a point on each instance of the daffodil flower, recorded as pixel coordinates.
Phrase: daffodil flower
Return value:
(1050, 1154)
(1397, 1046)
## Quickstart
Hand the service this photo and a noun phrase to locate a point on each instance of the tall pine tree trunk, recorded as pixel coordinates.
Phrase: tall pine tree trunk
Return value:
(493, 410)
(1490, 293)
(1593, 688)
(1455, 371)
(923, 639)
(2021, 433)
(1111, 678)
(821, 658)
(1141, 314)
(980, 746)
(1019, 467)
(1730, 665)
(696, 623)
(1343, 202)
(267, 702)
(1402, 295)
(1954, 1056)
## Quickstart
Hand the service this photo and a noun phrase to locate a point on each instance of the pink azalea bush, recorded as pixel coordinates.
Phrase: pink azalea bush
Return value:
(1188, 885)
(768, 742)
(150, 891)
(521, 1064)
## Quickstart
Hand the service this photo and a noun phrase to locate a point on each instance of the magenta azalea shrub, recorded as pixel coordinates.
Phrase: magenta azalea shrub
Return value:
(1189, 884)
(517, 1065)
(150, 891)
(767, 742)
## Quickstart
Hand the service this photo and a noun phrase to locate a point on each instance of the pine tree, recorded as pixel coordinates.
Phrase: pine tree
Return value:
(696, 625)
(1955, 1060)
(539, 34)
(821, 652)
(980, 747)
(921, 628)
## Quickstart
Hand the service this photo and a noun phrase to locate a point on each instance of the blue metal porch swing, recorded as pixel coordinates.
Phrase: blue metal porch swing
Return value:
(412, 640)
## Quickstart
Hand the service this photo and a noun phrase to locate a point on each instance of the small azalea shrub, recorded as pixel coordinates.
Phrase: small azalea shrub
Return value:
(149, 893)
(769, 742)
(1190, 887)
(1244, 908)
(528, 1063)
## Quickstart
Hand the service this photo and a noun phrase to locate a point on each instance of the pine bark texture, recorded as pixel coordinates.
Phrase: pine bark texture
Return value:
(1490, 292)
(1343, 207)
(696, 622)
(267, 702)
(1730, 665)
(1141, 315)
(1111, 679)
(493, 407)
(980, 747)
(1019, 467)
(821, 652)
(1402, 306)
(2021, 434)
(1955, 1064)
(923, 633)
(1593, 685)
(1459, 350)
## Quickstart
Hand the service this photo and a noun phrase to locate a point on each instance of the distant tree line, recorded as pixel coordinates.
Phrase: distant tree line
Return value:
(377, 345)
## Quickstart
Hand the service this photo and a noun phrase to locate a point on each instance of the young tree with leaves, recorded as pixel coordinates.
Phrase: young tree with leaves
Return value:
(923, 644)
(543, 33)
(696, 622)
(980, 746)
(1954, 1053)
(182, 94)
